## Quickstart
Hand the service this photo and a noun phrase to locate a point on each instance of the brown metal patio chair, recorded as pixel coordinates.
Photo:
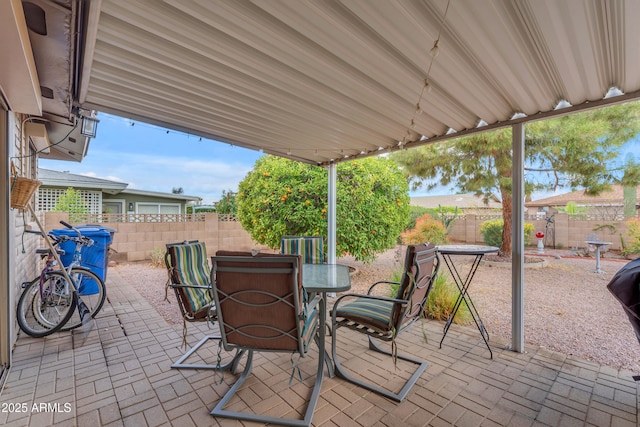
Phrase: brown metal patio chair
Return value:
(189, 276)
(383, 318)
(261, 307)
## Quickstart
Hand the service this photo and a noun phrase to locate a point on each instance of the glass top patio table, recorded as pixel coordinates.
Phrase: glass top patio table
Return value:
(323, 279)
(326, 278)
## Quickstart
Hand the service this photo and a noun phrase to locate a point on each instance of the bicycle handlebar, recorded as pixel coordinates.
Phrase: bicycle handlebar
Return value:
(80, 239)
(66, 224)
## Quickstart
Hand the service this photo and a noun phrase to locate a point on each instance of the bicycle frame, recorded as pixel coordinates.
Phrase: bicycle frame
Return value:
(52, 258)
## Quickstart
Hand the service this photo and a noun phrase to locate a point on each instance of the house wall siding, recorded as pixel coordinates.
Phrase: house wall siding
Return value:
(24, 264)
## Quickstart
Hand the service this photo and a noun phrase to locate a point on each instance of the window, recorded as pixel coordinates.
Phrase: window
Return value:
(158, 208)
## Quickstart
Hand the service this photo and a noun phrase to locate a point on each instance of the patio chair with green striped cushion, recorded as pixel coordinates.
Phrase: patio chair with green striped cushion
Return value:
(383, 317)
(262, 308)
(310, 248)
(189, 276)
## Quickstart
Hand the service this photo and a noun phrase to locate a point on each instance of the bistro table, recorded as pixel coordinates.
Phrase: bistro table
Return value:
(463, 283)
(325, 278)
(598, 245)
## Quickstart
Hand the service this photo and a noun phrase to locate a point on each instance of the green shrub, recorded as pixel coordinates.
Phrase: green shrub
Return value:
(428, 229)
(441, 299)
(415, 212)
(445, 214)
(633, 231)
(492, 232)
(157, 258)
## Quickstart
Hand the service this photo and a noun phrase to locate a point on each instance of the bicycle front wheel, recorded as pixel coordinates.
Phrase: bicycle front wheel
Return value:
(91, 291)
(44, 310)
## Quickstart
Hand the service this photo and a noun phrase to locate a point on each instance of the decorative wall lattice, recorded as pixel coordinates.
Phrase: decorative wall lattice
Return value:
(47, 198)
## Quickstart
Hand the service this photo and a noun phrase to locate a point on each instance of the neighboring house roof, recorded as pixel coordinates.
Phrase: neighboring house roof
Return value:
(160, 194)
(612, 197)
(51, 178)
(462, 201)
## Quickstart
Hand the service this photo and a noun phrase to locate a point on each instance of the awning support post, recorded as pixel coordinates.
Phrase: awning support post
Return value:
(517, 240)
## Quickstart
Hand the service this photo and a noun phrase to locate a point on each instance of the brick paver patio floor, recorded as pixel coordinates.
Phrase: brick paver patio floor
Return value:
(120, 375)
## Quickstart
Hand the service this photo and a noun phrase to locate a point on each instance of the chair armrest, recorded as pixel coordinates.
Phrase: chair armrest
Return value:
(180, 285)
(314, 302)
(372, 297)
(381, 282)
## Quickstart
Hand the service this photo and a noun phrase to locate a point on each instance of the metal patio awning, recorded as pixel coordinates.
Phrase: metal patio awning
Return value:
(331, 80)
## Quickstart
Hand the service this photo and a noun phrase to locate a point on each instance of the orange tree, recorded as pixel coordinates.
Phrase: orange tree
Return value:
(281, 197)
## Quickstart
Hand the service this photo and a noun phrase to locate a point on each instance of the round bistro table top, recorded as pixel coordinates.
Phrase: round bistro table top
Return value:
(466, 249)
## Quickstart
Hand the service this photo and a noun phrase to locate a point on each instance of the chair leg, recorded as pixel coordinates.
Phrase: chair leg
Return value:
(218, 411)
(398, 397)
(229, 366)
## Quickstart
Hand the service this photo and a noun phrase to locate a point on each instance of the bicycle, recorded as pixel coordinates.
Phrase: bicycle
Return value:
(91, 288)
(48, 302)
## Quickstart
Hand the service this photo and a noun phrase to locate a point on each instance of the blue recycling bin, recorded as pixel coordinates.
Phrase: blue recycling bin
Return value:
(94, 257)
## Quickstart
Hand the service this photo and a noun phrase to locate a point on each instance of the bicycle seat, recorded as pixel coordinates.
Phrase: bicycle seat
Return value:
(45, 251)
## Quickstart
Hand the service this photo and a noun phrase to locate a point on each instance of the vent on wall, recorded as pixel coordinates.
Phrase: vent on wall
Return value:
(37, 133)
(46, 92)
(35, 17)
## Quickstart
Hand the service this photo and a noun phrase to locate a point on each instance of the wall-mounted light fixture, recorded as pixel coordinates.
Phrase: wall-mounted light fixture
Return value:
(89, 126)
(130, 206)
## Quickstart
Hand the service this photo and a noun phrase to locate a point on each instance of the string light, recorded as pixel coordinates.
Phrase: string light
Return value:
(435, 50)
(426, 86)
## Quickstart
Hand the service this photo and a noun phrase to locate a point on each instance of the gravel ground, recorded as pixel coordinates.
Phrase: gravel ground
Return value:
(567, 307)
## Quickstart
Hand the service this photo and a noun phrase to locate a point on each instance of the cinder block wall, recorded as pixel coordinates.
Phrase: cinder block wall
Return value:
(136, 241)
(568, 233)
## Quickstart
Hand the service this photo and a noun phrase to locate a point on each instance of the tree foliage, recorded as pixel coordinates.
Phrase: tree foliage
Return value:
(281, 197)
(572, 208)
(227, 203)
(573, 151)
(73, 202)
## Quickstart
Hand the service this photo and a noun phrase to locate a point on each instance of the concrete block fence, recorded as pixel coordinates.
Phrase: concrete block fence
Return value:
(136, 241)
(569, 233)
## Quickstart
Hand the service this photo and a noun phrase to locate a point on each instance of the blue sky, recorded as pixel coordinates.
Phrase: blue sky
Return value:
(148, 158)
(156, 159)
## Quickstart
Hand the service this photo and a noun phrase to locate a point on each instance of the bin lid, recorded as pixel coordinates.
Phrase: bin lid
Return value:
(86, 231)
(83, 226)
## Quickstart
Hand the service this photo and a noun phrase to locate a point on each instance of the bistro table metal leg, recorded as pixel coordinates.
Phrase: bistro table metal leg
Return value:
(463, 287)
